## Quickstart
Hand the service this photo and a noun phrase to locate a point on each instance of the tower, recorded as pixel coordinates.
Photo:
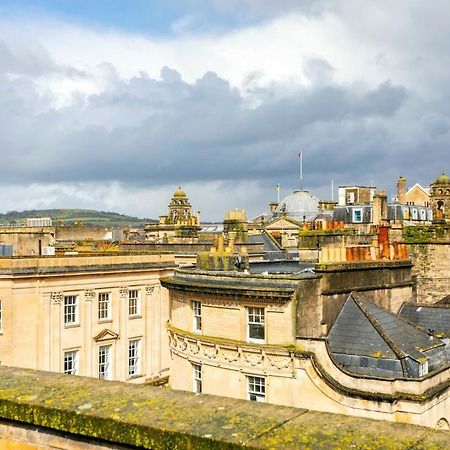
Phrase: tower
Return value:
(440, 198)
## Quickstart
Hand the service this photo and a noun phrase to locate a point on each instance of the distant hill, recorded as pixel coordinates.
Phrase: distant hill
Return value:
(71, 216)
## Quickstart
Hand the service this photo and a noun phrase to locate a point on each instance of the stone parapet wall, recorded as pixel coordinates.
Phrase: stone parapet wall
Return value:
(39, 408)
(64, 262)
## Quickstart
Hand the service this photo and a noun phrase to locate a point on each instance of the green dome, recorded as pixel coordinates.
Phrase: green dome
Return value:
(442, 179)
(179, 193)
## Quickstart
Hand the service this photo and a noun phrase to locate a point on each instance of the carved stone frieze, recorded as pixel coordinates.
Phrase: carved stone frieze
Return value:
(279, 362)
(254, 359)
(211, 352)
(194, 348)
(123, 292)
(230, 356)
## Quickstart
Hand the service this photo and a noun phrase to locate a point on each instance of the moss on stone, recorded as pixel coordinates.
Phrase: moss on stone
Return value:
(158, 418)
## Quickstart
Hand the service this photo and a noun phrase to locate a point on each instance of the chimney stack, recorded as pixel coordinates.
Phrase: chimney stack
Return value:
(401, 190)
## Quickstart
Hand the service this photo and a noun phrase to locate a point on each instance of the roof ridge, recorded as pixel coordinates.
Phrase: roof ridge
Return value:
(378, 327)
(426, 305)
(415, 325)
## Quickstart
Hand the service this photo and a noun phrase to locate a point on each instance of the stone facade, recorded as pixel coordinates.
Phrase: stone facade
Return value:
(213, 350)
(58, 313)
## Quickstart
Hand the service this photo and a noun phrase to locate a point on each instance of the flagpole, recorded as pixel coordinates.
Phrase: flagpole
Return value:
(300, 155)
(278, 193)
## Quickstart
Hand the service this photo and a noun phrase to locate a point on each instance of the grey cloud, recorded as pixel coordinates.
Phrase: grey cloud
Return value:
(164, 131)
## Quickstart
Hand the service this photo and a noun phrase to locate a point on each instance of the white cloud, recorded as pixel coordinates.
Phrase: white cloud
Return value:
(361, 87)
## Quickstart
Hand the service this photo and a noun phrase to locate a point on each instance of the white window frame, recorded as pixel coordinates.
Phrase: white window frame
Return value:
(197, 378)
(360, 211)
(134, 357)
(256, 388)
(197, 316)
(71, 311)
(105, 362)
(423, 214)
(256, 318)
(423, 369)
(134, 303)
(71, 362)
(104, 306)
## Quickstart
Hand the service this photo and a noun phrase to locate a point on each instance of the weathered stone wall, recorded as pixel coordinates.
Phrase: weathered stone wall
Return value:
(431, 270)
(82, 232)
(27, 241)
(387, 283)
(309, 308)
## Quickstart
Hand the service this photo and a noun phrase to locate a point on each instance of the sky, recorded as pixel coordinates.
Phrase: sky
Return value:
(112, 104)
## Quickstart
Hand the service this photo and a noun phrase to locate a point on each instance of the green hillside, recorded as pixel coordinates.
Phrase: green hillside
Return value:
(71, 216)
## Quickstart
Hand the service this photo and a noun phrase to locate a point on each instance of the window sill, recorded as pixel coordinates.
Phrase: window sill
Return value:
(136, 316)
(105, 320)
(133, 377)
(71, 325)
(256, 341)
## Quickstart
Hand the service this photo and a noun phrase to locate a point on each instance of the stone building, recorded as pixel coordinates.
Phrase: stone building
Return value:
(266, 337)
(98, 316)
(179, 225)
(355, 195)
(415, 195)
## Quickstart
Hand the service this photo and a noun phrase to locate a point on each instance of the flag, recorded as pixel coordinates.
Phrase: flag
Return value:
(300, 154)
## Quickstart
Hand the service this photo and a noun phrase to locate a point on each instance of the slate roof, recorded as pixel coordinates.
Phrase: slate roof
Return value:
(364, 329)
(429, 317)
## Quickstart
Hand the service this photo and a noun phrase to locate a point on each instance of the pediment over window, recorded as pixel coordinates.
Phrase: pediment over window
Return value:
(106, 335)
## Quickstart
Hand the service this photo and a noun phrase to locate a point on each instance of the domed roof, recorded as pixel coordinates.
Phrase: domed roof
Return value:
(179, 193)
(442, 179)
(300, 205)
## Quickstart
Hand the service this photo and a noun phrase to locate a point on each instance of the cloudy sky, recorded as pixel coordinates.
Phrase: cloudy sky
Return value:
(111, 104)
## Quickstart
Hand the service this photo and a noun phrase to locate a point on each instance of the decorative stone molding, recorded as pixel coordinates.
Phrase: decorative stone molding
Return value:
(150, 288)
(56, 297)
(89, 295)
(123, 292)
(221, 303)
(106, 335)
(277, 361)
(230, 356)
(194, 349)
(211, 352)
(254, 359)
